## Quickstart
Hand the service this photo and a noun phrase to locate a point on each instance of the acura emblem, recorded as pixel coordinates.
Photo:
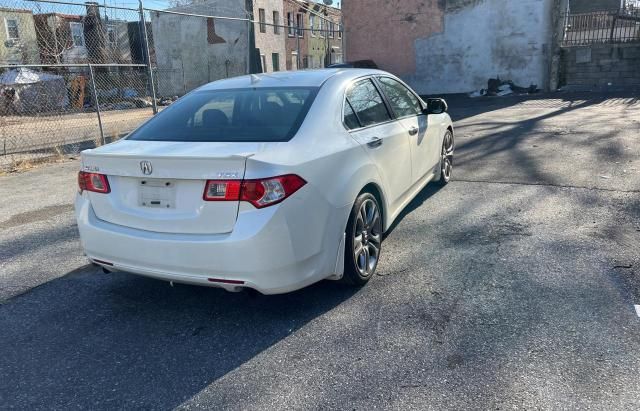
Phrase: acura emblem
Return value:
(146, 167)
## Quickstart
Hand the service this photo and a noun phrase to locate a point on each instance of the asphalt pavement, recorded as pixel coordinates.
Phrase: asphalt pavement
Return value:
(513, 287)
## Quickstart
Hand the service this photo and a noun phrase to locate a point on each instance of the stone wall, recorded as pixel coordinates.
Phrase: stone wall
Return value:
(603, 65)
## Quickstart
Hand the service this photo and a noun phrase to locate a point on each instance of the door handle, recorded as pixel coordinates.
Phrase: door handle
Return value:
(413, 131)
(375, 142)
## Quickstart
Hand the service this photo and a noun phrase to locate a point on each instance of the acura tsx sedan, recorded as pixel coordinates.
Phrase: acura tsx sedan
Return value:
(269, 182)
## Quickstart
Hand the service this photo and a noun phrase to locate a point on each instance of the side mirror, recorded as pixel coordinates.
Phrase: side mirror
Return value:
(436, 106)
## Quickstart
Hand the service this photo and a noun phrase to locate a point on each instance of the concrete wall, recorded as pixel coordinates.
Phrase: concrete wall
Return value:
(452, 46)
(602, 65)
(25, 49)
(270, 43)
(189, 53)
(483, 40)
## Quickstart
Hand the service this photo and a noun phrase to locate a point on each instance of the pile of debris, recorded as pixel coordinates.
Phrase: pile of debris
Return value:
(165, 101)
(497, 87)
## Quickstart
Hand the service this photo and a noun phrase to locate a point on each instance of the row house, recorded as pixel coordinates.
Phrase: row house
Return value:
(58, 38)
(270, 36)
(296, 34)
(75, 39)
(17, 37)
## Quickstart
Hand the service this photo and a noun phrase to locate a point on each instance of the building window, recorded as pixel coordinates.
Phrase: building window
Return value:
(300, 24)
(263, 60)
(263, 21)
(212, 36)
(276, 22)
(331, 30)
(112, 36)
(339, 31)
(322, 34)
(275, 59)
(291, 31)
(12, 29)
(312, 24)
(77, 34)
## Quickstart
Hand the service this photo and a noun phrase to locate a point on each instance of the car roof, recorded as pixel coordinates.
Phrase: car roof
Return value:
(302, 78)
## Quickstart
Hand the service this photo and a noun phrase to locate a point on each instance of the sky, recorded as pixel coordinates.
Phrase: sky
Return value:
(154, 4)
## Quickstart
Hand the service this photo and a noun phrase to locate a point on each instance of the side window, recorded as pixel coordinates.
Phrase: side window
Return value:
(402, 100)
(367, 103)
(350, 119)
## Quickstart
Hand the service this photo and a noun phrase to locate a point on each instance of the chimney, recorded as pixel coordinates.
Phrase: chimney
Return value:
(95, 34)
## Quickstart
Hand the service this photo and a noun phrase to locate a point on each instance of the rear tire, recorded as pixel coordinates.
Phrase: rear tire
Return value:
(363, 240)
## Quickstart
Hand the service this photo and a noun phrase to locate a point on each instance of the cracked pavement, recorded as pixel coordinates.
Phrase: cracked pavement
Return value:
(514, 286)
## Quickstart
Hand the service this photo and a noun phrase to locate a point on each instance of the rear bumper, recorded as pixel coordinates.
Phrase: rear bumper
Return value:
(273, 250)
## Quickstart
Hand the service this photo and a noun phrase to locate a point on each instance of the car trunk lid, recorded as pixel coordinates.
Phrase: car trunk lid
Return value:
(159, 186)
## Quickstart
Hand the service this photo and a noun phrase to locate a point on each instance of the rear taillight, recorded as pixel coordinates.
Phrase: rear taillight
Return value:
(95, 182)
(261, 193)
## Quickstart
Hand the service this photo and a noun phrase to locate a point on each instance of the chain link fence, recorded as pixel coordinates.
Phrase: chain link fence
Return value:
(75, 76)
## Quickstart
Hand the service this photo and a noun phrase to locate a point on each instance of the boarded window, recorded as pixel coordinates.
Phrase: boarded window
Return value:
(212, 37)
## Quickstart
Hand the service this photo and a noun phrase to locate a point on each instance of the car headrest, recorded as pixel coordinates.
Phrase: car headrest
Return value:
(214, 118)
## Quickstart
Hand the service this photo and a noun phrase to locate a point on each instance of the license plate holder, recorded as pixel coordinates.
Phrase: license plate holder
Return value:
(157, 193)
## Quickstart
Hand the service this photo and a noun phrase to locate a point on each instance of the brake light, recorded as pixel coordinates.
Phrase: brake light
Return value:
(95, 182)
(261, 193)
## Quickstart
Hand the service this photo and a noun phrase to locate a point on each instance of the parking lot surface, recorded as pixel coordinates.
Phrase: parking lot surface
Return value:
(514, 286)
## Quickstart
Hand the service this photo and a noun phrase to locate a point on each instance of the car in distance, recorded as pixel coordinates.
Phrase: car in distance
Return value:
(368, 64)
(268, 182)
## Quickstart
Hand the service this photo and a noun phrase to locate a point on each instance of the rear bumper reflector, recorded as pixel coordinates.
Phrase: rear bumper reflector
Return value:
(217, 280)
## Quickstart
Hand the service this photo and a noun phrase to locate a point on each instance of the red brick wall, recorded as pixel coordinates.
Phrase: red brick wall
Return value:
(384, 31)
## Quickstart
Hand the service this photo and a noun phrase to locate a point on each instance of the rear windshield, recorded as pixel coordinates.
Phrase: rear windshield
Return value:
(239, 115)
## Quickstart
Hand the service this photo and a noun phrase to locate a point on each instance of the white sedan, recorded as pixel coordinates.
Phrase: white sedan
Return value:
(270, 182)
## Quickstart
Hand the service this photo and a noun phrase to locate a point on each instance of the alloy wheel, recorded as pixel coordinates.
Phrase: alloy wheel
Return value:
(447, 156)
(367, 238)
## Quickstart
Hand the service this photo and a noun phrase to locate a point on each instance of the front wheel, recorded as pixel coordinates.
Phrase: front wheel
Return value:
(364, 240)
(446, 158)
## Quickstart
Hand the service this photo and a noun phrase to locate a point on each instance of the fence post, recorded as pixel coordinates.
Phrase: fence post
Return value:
(249, 48)
(95, 98)
(147, 57)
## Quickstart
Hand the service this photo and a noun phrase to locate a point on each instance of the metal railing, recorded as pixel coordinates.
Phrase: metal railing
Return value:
(621, 26)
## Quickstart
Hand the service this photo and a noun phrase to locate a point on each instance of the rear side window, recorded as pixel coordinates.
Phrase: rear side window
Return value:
(350, 119)
(403, 102)
(240, 115)
(367, 104)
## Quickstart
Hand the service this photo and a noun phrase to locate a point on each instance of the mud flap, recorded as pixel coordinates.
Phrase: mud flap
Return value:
(339, 268)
